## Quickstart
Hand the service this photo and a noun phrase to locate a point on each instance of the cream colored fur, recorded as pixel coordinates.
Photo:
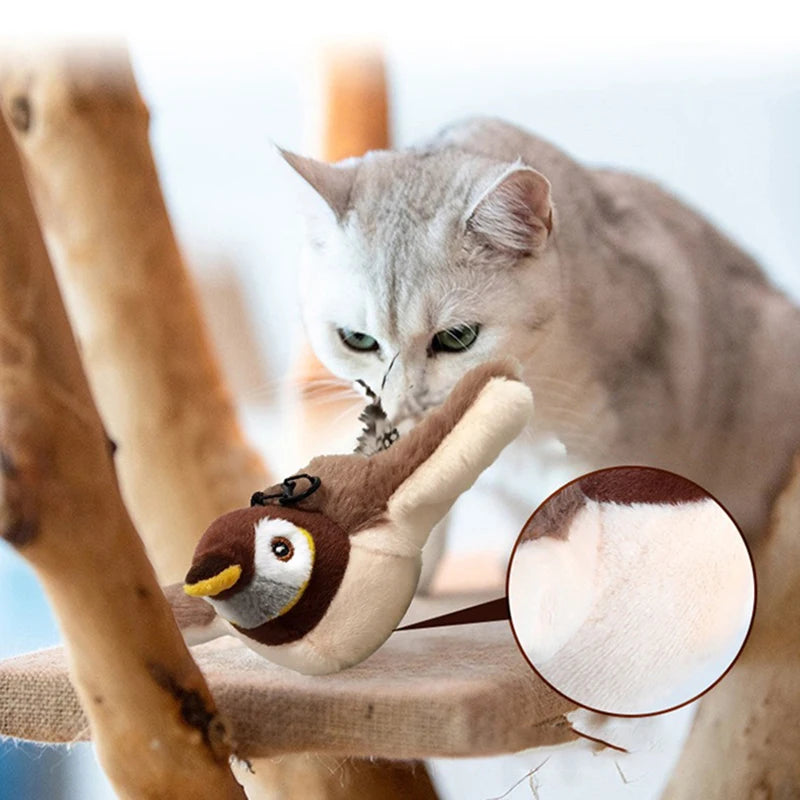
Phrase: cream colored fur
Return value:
(498, 415)
(671, 590)
(559, 579)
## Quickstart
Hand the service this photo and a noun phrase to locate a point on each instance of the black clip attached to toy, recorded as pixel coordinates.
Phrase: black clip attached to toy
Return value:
(286, 496)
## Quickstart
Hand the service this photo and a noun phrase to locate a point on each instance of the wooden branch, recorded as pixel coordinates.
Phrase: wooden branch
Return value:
(311, 775)
(155, 724)
(83, 129)
(745, 739)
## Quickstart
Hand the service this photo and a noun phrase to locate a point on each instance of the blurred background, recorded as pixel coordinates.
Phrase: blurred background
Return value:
(711, 109)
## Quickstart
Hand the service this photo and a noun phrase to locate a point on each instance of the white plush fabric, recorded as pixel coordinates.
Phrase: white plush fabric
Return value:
(375, 593)
(554, 586)
(278, 584)
(640, 609)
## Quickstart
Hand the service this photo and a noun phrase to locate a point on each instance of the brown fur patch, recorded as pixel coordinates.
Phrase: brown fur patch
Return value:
(628, 485)
(228, 540)
(554, 517)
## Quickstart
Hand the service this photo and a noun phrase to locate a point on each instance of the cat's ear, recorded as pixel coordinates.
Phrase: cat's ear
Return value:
(333, 183)
(515, 213)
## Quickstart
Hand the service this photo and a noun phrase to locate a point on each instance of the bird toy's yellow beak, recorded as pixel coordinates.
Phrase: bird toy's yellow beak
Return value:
(215, 584)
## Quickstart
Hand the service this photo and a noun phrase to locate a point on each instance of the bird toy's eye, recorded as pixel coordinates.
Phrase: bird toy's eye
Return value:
(282, 548)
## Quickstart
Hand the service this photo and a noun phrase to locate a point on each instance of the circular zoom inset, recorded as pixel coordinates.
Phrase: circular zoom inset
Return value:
(631, 591)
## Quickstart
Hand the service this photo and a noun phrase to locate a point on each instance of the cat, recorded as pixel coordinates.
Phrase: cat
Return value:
(646, 336)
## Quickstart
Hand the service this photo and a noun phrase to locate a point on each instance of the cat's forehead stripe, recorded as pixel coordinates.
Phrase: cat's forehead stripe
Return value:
(406, 213)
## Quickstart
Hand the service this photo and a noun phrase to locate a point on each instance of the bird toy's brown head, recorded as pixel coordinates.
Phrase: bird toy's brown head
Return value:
(270, 570)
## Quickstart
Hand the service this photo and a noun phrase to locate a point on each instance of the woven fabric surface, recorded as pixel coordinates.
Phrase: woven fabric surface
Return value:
(454, 691)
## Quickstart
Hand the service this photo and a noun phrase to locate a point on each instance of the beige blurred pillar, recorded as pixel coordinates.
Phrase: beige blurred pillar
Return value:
(153, 721)
(355, 119)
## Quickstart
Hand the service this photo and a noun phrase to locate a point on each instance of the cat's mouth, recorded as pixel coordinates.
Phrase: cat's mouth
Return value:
(409, 411)
(408, 416)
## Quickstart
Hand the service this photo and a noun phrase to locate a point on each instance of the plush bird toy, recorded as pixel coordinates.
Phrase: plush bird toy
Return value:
(318, 572)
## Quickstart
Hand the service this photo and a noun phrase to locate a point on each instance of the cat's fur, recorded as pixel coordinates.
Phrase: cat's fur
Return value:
(646, 335)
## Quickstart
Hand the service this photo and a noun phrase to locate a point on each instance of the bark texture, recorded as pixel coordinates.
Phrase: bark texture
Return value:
(83, 129)
(155, 725)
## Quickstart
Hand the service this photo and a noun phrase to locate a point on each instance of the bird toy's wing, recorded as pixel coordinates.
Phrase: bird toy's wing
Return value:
(197, 620)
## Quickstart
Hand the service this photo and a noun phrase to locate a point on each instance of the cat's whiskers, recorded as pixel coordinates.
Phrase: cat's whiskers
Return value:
(278, 388)
(332, 381)
(578, 445)
(310, 384)
(551, 379)
(573, 422)
(321, 394)
(334, 399)
(317, 391)
(351, 409)
(267, 391)
(578, 417)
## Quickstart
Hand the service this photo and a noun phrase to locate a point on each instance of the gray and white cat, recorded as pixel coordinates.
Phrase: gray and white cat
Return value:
(646, 336)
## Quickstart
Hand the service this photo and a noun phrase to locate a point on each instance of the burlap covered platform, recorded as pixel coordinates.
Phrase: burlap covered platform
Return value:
(452, 691)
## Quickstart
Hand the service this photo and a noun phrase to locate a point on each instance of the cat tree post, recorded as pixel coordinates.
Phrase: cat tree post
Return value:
(83, 129)
(153, 720)
(745, 740)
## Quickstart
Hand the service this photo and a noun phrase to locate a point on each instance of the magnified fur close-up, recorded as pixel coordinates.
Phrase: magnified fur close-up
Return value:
(631, 591)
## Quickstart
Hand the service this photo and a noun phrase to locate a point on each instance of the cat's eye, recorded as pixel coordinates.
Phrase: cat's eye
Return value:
(356, 340)
(456, 339)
